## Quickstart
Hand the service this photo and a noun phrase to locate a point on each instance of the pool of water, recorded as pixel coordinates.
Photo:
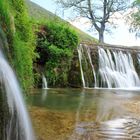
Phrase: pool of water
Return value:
(81, 114)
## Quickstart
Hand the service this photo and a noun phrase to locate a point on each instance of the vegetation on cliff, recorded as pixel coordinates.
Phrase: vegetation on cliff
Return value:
(55, 45)
(16, 25)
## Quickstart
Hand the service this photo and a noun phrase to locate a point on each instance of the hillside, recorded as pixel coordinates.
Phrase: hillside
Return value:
(38, 12)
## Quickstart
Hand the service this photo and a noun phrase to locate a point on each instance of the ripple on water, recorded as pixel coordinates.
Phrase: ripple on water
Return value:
(126, 128)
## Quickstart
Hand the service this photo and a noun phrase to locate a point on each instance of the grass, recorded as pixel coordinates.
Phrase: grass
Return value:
(39, 13)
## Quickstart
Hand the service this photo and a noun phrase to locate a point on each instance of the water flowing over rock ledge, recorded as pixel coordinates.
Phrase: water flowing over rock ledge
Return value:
(115, 47)
(119, 62)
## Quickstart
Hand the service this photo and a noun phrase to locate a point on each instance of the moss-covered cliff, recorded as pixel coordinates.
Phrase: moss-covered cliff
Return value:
(16, 30)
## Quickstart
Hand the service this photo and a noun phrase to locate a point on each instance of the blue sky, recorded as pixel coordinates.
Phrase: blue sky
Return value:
(119, 36)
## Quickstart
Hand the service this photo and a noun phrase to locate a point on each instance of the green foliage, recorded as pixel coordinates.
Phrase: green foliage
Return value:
(57, 53)
(23, 46)
(22, 21)
(56, 42)
(23, 61)
(15, 23)
(58, 65)
(6, 19)
(61, 35)
(134, 19)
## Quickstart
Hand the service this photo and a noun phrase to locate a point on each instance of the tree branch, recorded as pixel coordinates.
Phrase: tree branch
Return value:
(92, 16)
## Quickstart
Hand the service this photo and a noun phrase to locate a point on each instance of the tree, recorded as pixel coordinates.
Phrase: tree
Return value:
(134, 18)
(98, 12)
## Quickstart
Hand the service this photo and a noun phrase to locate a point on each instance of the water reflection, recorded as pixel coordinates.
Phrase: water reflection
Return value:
(109, 107)
(82, 98)
(113, 121)
(44, 94)
(87, 114)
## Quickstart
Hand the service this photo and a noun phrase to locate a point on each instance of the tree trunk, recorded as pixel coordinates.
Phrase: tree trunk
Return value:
(101, 37)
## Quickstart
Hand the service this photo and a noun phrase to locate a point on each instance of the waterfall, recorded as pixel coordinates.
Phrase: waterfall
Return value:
(90, 60)
(44, 82)
(80, 51)
(19, 126)
(86, 64)
(115, 68)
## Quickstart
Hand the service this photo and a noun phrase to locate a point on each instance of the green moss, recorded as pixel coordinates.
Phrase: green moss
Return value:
(23, 44)
(6, 20)
(23, 61)
(15, 23)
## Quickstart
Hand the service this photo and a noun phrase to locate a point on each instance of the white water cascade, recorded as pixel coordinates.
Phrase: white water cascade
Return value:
(19, 126)
(114, 68)
(44, 82)
(84, 54)
(80, 52)
(117, 70)
(92, 66)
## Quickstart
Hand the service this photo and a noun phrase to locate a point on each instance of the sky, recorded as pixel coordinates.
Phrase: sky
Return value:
(119, 36)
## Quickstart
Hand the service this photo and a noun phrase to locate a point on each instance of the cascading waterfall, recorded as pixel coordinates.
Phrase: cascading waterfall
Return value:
(44, 82)
(115, 68)
(80, 52)
(19, 126)
(86, 64)
(90, 60)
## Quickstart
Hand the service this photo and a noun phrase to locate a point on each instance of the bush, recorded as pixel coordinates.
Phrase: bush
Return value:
(55, 45)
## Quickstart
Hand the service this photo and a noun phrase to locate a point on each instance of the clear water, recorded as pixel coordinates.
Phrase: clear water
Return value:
(78, 114)
(58, 99)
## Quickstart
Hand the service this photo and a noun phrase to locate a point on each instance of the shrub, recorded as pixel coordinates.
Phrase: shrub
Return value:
(55, 45)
